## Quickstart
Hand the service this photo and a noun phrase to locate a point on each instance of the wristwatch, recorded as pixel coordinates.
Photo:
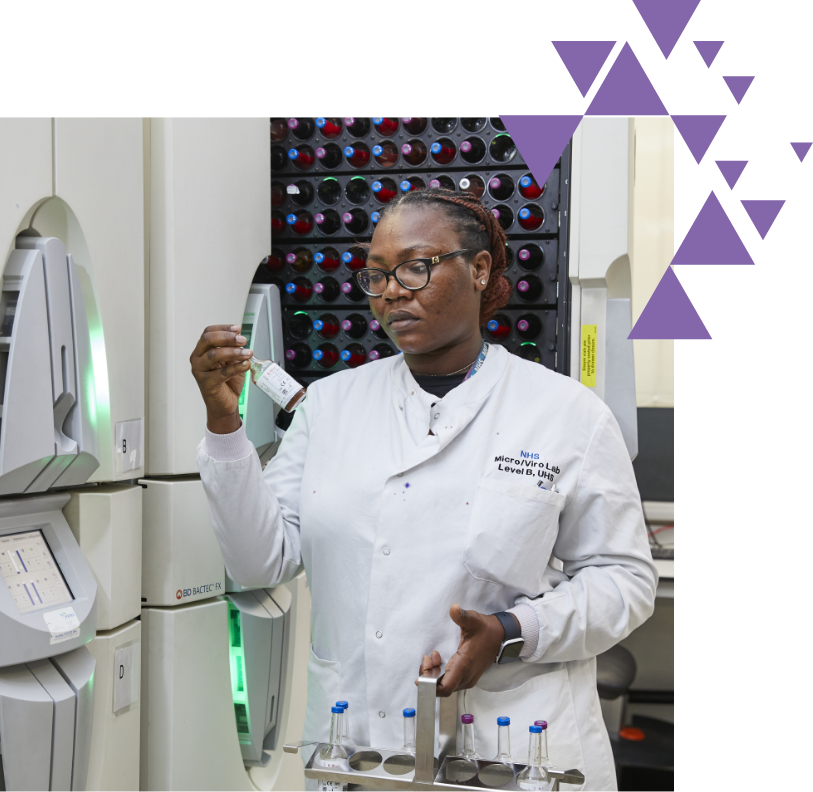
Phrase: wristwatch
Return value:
(513, 643)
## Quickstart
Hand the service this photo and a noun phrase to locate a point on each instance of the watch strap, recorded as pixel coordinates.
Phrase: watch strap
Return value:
(510, 625)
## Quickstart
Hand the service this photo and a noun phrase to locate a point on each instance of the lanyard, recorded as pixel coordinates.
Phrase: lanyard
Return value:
(478, 364)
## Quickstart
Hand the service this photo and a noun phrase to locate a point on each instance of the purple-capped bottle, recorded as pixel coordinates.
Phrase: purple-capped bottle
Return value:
(298, 356)
(529, 326)
(327, 289)
(355, 326)
(414, 152)
(530, 288)
(329, 155)
(472, 150)
(501, 187)
(328, 221)
(469, 751)
(357, 127)
(355, 221)
(377, 329)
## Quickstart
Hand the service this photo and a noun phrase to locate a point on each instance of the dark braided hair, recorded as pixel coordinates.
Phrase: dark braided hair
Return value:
(478, 230)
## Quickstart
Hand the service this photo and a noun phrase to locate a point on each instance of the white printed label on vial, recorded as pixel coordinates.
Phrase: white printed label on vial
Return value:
(278, 385)
(331, 786)
(63, 624)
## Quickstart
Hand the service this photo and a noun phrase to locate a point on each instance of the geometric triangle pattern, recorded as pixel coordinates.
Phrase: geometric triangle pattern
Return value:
(708, 50)
(669, 313)
(801, 150)
(738, 86)
(698, 131)
(666, 20)
(731, 170)
(583, 60)
(712, 239)
(626, 90)
(762, 214)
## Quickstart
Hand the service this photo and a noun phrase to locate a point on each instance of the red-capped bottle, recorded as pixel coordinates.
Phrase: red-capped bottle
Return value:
(278, 194)
(327, 289)
(384, 190)
(300, 192)
(278, 224)
(354, 260)
(412, 183)
(279, 130)
(443, 151)
(354, 355)
(529, 288)
(414, 152)
(380, 351)
(327, 356)
(529, 189)
(301, 127)
(330, 128)
(300, 223)
(328, 221)
(499, 328)
(355, 326)
(502, 148)
(473, 184)
(279, 158)
(472, 150)
(299, 326)
(302, 157)
(327, 326)
(530, 257)
(357, 190)
(501, 187)
(531, 217)
(530, 351)
(356, 221)
(298, 356)
(329, 191)
(351, 290)
(414, 126)
(529, 326)
(300, 289)
(377, 329)
(386, 127)
(358, 155)
(357, 127)
(446, 182)
(301, 260)
(385, 153)
(329, 156)
(327, 259)
(504, 215)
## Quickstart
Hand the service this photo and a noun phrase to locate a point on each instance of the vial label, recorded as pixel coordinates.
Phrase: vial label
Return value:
(276, 383)
(332, 786)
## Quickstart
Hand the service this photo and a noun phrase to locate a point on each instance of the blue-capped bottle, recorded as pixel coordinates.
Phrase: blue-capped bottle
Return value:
(409, 731)
(384, 190)
(529, 189)
(329, 127)
(354, 355)
(535, 775)
(386, 127)
(412, 183)
(385, 153)
(326, 355)
(531, 217)
(300, 223)
(504, 741)
(357, 155)
(443, 151)
(375, 217)
(300, 289)
(334, 754)
(347, 741)
(302, 157)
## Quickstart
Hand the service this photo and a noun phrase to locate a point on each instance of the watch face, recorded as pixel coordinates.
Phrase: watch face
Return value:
(511, 650)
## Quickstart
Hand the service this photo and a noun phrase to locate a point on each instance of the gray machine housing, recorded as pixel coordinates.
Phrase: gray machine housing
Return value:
(47, 433)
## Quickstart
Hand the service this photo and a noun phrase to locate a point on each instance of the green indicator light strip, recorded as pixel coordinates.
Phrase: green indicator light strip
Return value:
(237, 667)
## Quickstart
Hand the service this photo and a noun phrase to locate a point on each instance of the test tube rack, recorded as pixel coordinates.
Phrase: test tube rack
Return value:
(388, 769)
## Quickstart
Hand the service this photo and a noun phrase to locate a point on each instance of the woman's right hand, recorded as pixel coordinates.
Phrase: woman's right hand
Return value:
(219, 365)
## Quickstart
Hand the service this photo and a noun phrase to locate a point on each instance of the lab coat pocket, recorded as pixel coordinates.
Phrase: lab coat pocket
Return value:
(545, 696)
(511, 534)
(324, 690)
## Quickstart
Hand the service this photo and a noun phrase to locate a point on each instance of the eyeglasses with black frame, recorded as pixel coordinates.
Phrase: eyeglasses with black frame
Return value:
(414, 274)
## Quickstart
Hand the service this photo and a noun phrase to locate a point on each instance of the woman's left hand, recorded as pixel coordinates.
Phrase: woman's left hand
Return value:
(480, 639)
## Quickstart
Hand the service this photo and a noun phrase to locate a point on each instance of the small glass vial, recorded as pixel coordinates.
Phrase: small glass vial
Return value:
(468, 737)
(334, 753)
(534, 776)
(347, 741)
(275, 382)
(503, 741)
(409, 731)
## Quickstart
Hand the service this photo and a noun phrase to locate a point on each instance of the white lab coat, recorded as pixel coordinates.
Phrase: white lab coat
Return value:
(392, 525)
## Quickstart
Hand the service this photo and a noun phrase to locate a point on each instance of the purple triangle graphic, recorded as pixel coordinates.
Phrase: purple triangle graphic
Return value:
(626, 90)
(762, 214)
(541, 140)
(708, 50)
(731, 170)
(801, 150)
(738, 86)
(583, 59)
(669, 313)
(698, 131)
(712, 239)
(666, 20)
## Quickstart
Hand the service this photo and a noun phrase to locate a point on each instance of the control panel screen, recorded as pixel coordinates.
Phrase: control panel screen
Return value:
(30, 572)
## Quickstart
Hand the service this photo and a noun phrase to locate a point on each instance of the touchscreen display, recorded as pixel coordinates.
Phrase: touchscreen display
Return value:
(30, 572)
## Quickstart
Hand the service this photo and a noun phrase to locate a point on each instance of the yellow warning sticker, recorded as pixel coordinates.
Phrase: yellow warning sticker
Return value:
(588, 375)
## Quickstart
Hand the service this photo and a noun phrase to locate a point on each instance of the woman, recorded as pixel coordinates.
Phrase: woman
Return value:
(426, 492)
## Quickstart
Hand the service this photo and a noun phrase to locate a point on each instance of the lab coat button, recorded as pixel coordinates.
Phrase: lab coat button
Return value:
(400, 474)
(379, 635)
(382, 714)
(386, 551)
(437, 415)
